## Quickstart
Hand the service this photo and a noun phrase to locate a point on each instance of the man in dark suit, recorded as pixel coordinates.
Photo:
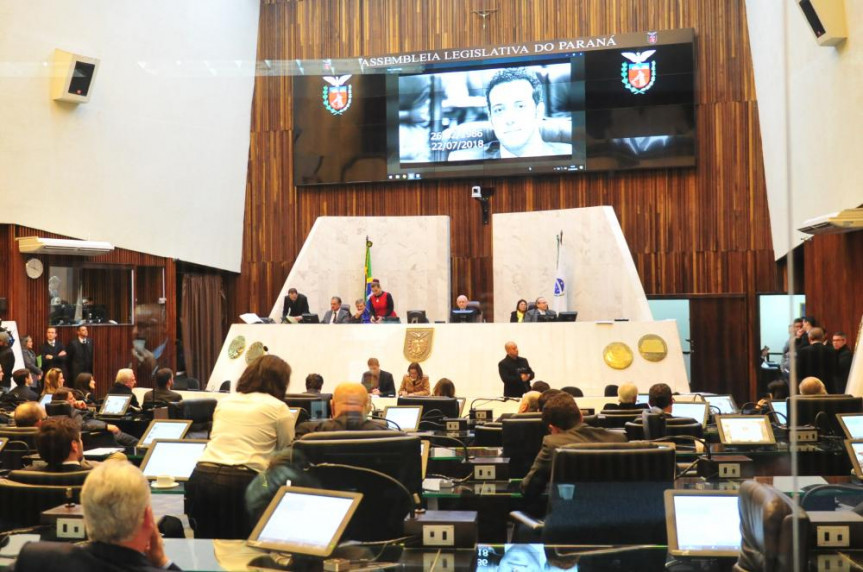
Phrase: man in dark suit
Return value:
(22, 391)
(817, 360)
(124, 383)
(60, 448)
(514, 371)
(7, 359)
(351, 406)
(54, 354)
(295, 305)
(80, 354)
(120, 525)
(843, 361)
(336, 314)
(377, 381)
(540, 312)
(164, 382)
(566, 426)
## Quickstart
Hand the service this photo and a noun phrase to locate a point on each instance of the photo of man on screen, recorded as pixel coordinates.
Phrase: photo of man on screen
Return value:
(516, 110)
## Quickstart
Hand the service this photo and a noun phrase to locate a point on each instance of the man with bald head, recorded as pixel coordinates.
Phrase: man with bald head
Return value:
(29, 414)
(350, 406)
(812, 386)
(123, 384)
(514, 371)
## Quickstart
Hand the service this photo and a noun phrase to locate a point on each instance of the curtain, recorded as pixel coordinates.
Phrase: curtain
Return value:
(202, 321)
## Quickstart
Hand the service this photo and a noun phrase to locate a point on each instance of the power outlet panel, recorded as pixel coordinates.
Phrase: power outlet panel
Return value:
(70, 528)
(835, 536)
(729, 470)
(832, 563)
(484, 472)
(438, 535)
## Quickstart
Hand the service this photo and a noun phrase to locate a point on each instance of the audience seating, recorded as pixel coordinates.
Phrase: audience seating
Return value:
(12, 456)
(21, 504)
(59, 408)
(674, 426)
(199, 411)
(71, 478)
(522, 440)
(617, 418)
(25, 434)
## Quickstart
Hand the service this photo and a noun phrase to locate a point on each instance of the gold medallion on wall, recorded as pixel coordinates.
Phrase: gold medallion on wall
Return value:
(652, 347)
(418, 344)
(255, 351)
(617, 355)
(237, 347)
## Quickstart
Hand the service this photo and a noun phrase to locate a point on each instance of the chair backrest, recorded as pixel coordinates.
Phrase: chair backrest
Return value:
(522, 440)
(766, 520)
(22, 505)
(667, 427)
(12, 455)
(71, 478)
(617, 418)
(610, 391)
(25, 434)
(193, 384)
(58, 408)
(613, 462)
(488, 435)
(821, 410)
(226, 386)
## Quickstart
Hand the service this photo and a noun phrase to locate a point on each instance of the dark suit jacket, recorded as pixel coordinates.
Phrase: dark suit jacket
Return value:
(80, 358)
(817, 360)
(24, 393)
(162, 395)
(386, 383)
(343, 317)
(7, 362)
(120, 389)
(350, 421)
(298, 308)
(51, 359)
(513, 316)
(92, 557)
(843, 367)
(540, 473)
(43, 467)
(508, 368)
(533, 315)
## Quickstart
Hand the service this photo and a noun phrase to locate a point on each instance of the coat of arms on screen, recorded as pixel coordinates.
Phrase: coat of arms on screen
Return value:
(418, 344)
(638, 75)
(337, 96)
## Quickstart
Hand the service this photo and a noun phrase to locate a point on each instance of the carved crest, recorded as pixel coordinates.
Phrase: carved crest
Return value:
(418, 344)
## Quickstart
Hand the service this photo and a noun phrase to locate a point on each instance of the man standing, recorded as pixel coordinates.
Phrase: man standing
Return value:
(336, 315)
(540, 309)
(377, 381)
(295, 305)
(818, 360)
(566, 426)
(7, 359)
(514, 371)
(843, 361)
(124, 383)
(120, 525)
(80, 354)
(351, 406)
(54, 353)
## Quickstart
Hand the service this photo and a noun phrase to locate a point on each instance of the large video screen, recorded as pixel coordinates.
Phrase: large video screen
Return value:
(598, 110)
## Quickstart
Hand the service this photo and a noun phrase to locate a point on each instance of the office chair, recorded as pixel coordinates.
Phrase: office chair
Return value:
(522, 439)
(610, 391)
(58, 408)
(225, 387)
(12, 456)
(71, 478)
(766, 520)
(25, 434)
(199, 411)
(21, 505)
(573, 391)
(488, 435)
(617, 418)
(662, 427)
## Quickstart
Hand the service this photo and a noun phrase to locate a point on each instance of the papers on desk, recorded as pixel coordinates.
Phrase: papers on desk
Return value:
(102, 451)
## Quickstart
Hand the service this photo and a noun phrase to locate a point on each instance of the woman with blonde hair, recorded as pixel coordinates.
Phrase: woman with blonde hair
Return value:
(53, 381)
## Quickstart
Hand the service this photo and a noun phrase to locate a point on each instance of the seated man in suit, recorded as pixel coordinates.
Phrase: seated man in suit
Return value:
(82, 417)
(566, 426)
(60, 448)
(295, 305)
(124, 383)
(377, 381)
(164, 382)
(120, 526)
(22, 391)
(351, 406)
(540, 309)
(314, 383)
(660, 399)
(627, 395)
(336, 314)
(29, 414)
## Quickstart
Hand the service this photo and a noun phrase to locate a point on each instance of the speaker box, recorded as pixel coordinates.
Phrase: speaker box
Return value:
(73, 77)
(827, 20)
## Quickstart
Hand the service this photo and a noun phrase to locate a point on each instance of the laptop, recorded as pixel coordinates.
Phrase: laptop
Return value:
(745, 430)
(724, 403)
(164, 429)
(855, 453)
(46, 399)
(305, 521)
(406, 417)
(780, 406)
(115, 405)
(643, 398)
(697, 410)
(852, 424)
(686, 511)
(175, 457)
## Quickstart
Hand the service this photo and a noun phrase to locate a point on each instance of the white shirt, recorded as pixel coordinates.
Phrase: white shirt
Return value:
(247, 429)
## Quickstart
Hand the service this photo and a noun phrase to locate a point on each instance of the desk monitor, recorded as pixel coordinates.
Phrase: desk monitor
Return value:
(697, 410)
(175, 457)
(642, 398)
(434, 407)
(724, 403)
(457, 316)
(305, 521)
(546, 317)
(115, 405)
(820, 410)
(406, 417)
(686, 511)
(780, 406)
(745, 430)
(46, 399)
(852, 424)
(164, 429)
(316, 405)
(567, 316)
(310, 319)
(855, 453)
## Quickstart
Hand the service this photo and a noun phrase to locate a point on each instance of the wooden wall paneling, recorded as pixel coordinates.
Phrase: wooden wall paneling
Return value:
(719, 348)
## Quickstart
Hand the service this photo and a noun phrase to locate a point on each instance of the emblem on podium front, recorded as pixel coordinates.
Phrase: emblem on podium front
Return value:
(418, 344)
(617, 355)
(237, 347)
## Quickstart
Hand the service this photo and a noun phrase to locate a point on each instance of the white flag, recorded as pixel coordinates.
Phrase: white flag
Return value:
(559, 283)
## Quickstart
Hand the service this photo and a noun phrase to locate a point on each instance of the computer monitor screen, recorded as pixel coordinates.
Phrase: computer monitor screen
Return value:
(305, 521)
(820, 410)
(405, 417)
(46, 399)
(855, 453)
(173, 457)
(317, 406)
(417, 317)
(693, 409)
(642, 398)
(458, 316)
(567, 316)
(115, 405)
(745, 430)
(310, 319)
(434, 407)
(852, 424)
(724, 403)
(164, 429)
(687, 511)
(780, 406)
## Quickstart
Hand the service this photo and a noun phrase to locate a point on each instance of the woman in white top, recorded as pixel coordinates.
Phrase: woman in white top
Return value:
(248, 426)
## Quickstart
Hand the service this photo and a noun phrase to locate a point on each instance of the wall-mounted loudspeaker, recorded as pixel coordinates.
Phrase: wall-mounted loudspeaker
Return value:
(73, 77)
(827, 20)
